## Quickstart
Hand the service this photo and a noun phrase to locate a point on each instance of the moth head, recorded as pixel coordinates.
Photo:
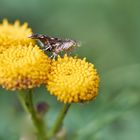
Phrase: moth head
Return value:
(73, 43)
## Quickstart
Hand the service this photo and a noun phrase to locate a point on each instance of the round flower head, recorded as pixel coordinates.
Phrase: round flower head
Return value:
(23, 67)
(14, 34)
(73, 80)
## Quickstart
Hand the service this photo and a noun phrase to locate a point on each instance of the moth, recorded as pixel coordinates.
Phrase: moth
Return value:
(55, 45)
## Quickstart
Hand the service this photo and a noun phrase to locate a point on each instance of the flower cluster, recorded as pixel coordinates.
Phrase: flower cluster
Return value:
(24, 65)
(73, 80)
(14, 34)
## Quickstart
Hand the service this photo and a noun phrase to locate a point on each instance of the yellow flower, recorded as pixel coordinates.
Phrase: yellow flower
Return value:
(23, 67)
(73, 80)
(14, 34)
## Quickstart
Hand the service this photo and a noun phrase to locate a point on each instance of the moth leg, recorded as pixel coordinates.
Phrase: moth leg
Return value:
(68, 52)
(53, 56)
(47, 47)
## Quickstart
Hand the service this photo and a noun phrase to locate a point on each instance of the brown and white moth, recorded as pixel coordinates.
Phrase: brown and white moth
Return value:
(55, 45)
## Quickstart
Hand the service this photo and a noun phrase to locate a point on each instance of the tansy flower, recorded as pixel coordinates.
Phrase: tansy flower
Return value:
(23, 67)
(73, 80)
(14, 34)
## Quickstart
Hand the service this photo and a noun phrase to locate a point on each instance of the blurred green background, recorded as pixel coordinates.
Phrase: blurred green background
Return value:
(109, 31)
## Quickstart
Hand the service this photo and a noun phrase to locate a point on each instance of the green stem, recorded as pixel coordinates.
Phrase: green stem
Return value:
(59, 120)
(27, 103)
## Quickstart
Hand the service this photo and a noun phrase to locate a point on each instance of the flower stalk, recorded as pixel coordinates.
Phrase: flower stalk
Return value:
(27, 103)
(58, 123)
